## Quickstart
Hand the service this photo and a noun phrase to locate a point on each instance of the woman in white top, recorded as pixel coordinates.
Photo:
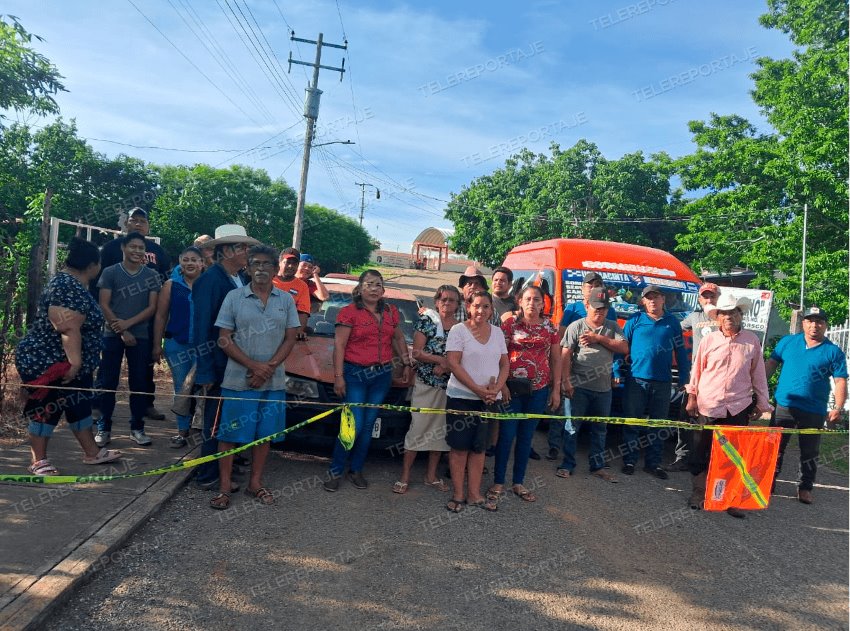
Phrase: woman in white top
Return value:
(478, 360)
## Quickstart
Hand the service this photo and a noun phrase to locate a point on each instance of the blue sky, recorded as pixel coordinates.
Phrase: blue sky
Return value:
(435, 94)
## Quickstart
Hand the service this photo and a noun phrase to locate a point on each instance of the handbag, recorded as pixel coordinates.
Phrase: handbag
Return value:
(519, 386)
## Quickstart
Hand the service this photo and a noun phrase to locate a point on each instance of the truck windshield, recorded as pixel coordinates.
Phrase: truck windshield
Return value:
(323, 322)
(680, 297)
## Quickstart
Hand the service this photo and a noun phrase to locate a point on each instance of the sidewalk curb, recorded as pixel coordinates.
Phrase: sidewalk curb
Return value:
(31, 608)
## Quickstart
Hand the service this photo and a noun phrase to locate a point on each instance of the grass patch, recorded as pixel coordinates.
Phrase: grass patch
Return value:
(834, 450)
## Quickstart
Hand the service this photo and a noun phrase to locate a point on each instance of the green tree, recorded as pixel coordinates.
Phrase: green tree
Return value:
(757, 183)
(336, 241)
(28, 80)
(574, 193)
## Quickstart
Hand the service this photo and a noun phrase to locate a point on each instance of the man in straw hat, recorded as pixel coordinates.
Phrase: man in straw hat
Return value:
(726, 376)
(230, 252)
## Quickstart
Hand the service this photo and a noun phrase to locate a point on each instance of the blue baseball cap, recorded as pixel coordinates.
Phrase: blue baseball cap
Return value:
(306, 258)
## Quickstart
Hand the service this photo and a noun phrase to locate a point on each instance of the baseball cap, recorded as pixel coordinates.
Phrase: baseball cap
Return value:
(138, 212)
(651, 289)
(591, 277)
(598, 298)
(709, 287)
(815, 312)
(307, 258)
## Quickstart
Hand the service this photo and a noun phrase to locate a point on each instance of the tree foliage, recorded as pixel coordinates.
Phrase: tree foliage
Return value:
(757, 183)
(28, 80)
(572, 193)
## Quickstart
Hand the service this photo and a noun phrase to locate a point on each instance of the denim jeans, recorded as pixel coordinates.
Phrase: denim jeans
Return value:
(809, 443)
(643, 397)
(362, 385)
(588, 403)
(556, 428)
(208, 471)
(138, 362)
(522, 430)
(180, 362)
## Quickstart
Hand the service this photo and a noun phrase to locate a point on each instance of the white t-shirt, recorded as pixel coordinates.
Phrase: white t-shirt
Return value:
(481, 361)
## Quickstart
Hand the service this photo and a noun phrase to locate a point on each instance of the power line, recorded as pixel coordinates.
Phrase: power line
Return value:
(291, 32)
(127, 144)
(254, 148)
(192, 63)
(220, 57)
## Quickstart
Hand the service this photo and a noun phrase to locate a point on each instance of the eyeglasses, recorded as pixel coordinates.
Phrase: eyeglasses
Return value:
(262, 264)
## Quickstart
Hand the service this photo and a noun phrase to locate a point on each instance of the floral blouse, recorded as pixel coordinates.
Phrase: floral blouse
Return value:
(42, 345)
(528, 349)
(434, 345)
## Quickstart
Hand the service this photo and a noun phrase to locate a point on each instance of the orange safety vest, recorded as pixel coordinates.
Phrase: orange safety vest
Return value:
(741, 469)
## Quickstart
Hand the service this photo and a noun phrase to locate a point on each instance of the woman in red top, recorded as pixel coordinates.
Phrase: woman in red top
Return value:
(534, 357)
(367, 334)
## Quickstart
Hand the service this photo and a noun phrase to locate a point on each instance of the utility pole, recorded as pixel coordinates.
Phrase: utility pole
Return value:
(311, 113)
(363, 186)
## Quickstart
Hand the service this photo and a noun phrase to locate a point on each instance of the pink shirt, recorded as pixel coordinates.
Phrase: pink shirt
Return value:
(726, 372)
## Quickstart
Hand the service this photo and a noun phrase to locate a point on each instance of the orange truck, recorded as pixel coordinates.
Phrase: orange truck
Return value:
(558, 265)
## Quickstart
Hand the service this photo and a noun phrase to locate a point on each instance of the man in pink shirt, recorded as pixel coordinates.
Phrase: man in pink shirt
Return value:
(729, 385)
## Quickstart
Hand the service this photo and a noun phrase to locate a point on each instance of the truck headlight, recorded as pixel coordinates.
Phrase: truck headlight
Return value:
(301, 388)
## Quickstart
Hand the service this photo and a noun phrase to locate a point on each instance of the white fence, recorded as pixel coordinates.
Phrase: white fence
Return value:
(840, 336)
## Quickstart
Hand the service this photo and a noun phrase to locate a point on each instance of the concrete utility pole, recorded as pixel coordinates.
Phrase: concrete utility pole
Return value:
(311, 113)
(363, 186)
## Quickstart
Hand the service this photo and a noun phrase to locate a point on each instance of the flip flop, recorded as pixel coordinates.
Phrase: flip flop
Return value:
(103, 456)
(42, 467)
(494, 495)
(400, 487)
(455, 506)
(563, 473)
(487, 504)
(524, 494)
(438, 484)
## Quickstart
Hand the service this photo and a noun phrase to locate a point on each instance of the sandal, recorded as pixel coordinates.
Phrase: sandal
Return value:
(563, 473)
(438, 484)
(400, 487)
(262, 495)
(103, 456)
(493, 494)
(524, 494)
(455, 506)
(42, 467)
(487, 504)
(220, 501)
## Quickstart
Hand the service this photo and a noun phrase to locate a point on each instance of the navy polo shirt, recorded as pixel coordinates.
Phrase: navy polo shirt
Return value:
(804, 380)
(652, 344)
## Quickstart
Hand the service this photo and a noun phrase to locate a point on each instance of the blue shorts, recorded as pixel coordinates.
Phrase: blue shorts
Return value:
(249, 418)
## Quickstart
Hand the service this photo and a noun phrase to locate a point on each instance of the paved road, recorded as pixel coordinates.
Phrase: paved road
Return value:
(586, 555)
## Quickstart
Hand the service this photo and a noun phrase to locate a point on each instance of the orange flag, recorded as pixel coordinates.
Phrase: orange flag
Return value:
(741, 470)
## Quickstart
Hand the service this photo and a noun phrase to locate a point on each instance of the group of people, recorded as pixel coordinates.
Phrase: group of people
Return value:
(230, 313)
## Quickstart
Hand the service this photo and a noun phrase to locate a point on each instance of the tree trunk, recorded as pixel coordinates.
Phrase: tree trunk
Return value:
(35, 272)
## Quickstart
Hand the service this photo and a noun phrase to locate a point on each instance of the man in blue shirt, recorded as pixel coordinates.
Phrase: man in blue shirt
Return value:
(803, 391)
(653, 337)
(574, 312)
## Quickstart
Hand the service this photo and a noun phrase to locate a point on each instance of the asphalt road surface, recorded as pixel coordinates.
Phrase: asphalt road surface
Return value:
(586, 555)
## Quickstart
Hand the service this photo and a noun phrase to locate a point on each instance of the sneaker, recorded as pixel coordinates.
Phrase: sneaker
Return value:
(102, 438)
(534, 455)
(628, 469)
(140, 437)
(736, 512)
(553, 454)
(154, 414)
(357, 479)
(332, 484)
(678, 466)
(658, 472)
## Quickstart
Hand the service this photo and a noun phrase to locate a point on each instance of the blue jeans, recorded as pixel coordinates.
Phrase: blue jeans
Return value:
(362, 385)
(138, 362)
(587, 403)
(643, 397)
(522, 430)
(556, 428)
(180, 362)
